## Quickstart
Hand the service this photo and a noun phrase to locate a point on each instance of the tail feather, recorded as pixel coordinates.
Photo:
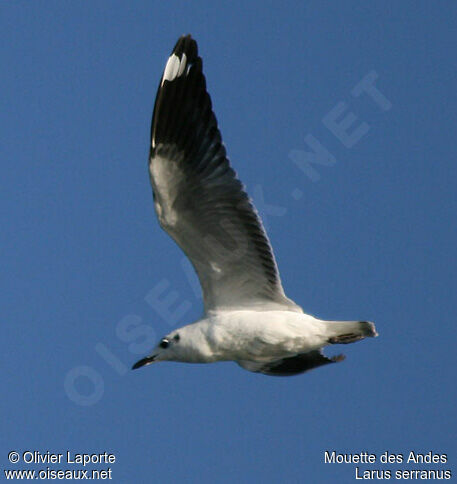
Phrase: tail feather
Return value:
(344, 332)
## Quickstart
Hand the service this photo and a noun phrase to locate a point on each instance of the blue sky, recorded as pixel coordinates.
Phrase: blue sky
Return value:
(83, 257)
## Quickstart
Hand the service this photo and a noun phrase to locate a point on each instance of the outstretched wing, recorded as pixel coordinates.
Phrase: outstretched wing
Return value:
(198, 198)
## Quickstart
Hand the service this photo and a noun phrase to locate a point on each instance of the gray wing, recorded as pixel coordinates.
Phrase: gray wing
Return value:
(198, 198)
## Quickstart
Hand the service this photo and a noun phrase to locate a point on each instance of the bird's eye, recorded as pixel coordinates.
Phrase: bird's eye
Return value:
(164, 343)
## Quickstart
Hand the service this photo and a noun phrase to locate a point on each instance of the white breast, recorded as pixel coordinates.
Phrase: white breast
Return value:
(263, 335)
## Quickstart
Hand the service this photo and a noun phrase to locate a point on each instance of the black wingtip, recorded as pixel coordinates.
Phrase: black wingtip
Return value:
(181, 93)
(186, 44)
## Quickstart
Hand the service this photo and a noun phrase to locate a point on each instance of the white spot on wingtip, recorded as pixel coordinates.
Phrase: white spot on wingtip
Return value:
(174, 68)
(182, 64)
(171, 69)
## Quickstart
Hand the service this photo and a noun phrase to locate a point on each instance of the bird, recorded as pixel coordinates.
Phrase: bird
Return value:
(202, 204)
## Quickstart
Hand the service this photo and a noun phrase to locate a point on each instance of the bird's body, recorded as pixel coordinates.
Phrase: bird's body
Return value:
(202, 204)
(247, 335)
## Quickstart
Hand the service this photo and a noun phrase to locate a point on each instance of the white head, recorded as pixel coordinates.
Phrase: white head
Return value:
(185, 344)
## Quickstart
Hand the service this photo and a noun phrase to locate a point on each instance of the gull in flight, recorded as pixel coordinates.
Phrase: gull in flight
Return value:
(204, 207)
